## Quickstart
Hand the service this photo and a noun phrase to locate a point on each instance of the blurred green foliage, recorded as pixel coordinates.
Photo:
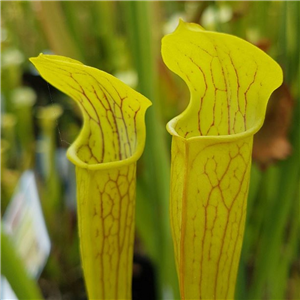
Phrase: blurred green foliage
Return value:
(123, 38)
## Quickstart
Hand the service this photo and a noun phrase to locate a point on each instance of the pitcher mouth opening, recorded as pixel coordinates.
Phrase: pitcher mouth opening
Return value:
(72, 154)
(172, 124)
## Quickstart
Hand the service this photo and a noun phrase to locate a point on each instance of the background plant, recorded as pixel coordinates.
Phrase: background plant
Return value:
(123, 38)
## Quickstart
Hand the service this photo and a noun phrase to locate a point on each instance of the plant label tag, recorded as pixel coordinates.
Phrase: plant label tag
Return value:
(24, 222)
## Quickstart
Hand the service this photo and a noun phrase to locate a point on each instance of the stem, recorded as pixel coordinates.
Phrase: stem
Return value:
(56, 30)
(156, 159)
(23, 100)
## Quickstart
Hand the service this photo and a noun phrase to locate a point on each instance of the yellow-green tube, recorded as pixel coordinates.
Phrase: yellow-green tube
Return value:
(230, 82)
(105, 154)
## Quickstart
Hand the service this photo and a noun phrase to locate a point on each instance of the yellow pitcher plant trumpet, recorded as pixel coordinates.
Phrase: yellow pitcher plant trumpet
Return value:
(105, 154)
(230, 82)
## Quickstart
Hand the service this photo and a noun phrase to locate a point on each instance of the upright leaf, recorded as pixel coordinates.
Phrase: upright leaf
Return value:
(230, 82)
(105, 154)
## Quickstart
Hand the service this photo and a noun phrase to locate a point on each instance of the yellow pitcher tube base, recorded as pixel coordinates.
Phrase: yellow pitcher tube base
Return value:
(230, 82)
(105, 153)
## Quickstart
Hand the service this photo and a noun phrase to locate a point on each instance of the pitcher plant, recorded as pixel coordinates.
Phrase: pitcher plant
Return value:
(230, 82)
(105, 154)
